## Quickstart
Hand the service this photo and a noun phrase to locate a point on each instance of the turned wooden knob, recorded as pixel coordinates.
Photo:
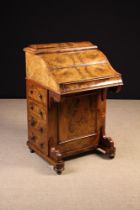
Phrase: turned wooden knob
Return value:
(33, 138)
(41, 130)
(41, 113)
(40, 96)
(32, 107)
(42, 145)
(33, 122)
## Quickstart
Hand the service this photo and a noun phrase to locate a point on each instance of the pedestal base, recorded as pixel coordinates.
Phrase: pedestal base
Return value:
(55, 158)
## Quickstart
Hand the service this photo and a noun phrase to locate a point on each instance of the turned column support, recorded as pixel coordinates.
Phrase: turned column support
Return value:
(57, 157)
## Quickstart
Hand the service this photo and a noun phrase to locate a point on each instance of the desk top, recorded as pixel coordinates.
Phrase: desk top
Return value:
(70, 67)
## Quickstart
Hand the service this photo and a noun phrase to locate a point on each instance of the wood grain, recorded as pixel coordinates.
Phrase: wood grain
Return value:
(54, 64)
(66, 86)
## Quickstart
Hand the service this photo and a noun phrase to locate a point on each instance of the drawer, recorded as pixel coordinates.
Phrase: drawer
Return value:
(37, 109)
(37, 93)
(39, 140)
(37, 124)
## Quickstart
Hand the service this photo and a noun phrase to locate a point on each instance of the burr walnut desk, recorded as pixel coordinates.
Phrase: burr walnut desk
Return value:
(67, 85)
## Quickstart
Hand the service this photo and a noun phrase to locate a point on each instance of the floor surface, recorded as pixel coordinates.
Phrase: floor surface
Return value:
(88, 182)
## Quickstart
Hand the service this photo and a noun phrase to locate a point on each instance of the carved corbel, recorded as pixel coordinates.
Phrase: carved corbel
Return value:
(56, 155)
(106, 145)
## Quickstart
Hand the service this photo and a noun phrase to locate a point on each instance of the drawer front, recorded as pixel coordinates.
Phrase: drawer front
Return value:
(36, 109)
(39, 140)
(37, 93)
(37, 124)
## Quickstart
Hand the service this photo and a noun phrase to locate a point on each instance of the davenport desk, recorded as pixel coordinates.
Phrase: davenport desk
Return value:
(67, 85)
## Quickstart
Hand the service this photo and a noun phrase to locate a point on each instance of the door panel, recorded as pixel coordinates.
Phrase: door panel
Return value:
(77, 117)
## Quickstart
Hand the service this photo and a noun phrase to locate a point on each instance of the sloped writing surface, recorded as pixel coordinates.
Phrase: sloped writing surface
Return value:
(62, 67)
(70, 59)
(84, 73)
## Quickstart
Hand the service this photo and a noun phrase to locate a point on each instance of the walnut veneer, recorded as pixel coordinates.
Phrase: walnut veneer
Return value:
(67, 85)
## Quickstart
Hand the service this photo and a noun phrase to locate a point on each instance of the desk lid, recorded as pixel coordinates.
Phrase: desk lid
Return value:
(70, 67)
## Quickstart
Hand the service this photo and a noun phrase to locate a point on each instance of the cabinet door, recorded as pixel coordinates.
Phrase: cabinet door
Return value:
(78, 122)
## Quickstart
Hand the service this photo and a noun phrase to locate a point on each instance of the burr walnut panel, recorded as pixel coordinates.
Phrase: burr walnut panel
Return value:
(70, 59)
(59, 47)
(69, 147)
(66, 86)
(77, 117)
(37, 93)
(36, 123)
(83, 73)
(54, 64)
(37, 110)
(39, 140)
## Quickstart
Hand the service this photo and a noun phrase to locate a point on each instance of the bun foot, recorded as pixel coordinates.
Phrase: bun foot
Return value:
(58, 169)
(59, 172)
(32, 151)
(111, 155)
(57, 157)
